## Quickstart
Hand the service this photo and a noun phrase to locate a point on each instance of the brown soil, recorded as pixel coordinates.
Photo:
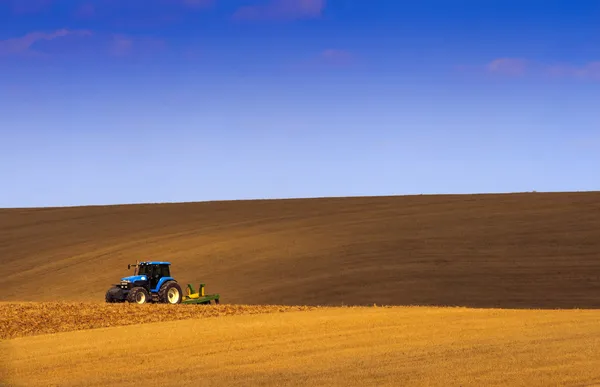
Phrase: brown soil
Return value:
(526, 250)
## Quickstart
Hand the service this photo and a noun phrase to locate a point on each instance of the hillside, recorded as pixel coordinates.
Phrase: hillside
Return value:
(527, 250)
(331, 346)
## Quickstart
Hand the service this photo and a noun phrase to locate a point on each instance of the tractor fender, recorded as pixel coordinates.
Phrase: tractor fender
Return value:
(161, 282)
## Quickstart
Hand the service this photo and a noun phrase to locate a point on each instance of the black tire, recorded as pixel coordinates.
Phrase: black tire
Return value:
(138, 295)
(111, 295)
(108, 297)
(170, 293)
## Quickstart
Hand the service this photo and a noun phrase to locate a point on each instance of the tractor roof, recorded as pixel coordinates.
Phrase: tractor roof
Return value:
(155, 263)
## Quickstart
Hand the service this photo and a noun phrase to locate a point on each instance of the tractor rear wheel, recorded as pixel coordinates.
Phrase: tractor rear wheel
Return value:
(138, 295)
(170, 293)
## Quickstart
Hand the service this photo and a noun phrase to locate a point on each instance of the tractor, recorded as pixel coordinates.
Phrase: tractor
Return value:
(152, 282)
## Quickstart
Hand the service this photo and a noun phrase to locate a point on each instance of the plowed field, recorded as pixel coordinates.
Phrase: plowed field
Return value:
(29, 319)
(531, 250)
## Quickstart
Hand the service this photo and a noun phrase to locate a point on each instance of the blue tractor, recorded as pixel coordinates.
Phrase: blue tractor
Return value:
(150, 282)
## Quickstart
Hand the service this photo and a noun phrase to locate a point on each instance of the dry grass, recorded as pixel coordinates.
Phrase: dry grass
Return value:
(326, 347)
(513, 251)
(28, 319)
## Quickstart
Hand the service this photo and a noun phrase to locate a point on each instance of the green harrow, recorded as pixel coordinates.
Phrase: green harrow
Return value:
(199, 298)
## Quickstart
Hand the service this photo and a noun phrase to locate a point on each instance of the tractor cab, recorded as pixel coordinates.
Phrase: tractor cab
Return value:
(149, 272)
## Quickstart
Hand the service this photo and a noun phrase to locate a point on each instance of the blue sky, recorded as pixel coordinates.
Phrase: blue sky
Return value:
(117, 101)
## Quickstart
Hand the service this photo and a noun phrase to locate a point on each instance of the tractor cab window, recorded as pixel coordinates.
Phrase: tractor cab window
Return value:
(164, 271)
(154, 271)
(144, 270)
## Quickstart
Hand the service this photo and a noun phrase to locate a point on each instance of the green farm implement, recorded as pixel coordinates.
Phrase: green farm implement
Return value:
(199, 298)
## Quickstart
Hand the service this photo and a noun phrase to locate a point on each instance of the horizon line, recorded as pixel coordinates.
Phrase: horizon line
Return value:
(292, 198)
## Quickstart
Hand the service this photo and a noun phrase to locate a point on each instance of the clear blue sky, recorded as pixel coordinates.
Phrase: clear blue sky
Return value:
(119, 101)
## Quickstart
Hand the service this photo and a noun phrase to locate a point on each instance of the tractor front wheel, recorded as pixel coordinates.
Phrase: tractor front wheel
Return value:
(113, 295)
(138, 295)
(170, 293)
(109, 296)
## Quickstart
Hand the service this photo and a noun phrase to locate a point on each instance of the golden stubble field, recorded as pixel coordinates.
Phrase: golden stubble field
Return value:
(379, 346)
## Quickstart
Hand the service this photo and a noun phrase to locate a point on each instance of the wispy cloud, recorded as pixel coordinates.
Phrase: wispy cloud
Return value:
(121, 45)
(281, 10)
(94, 8)
(588, 71)
(23, 45)
(517, 67)
(28, 6)
(336, 56)
(327, 59)
(111, 44)
(508, 66)
(125, 45)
